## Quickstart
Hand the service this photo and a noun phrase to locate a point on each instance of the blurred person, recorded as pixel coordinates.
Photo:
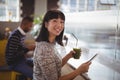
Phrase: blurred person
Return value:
(47, 61)
(16, 50)
(7, 32)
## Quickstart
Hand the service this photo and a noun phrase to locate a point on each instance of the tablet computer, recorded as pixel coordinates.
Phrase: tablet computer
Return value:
(93, 57)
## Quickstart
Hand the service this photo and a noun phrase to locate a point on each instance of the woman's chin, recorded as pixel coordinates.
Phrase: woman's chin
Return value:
(57, 34)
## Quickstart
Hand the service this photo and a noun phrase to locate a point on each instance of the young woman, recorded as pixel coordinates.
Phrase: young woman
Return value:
(47, 61)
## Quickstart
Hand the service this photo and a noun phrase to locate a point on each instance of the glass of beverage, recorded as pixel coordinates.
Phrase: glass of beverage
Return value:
(77, 54)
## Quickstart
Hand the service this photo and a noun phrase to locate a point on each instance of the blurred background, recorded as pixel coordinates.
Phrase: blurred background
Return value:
(95, 24)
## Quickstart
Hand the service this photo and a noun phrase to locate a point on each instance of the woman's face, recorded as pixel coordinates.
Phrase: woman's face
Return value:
(55, 27)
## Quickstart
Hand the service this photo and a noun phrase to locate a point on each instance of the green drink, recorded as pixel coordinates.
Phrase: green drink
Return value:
(77, 54)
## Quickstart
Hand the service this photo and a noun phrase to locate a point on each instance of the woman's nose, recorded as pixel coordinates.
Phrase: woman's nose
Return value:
(59, 24)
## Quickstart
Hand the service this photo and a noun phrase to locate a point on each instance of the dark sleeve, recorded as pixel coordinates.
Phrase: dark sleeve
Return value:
(16, 48)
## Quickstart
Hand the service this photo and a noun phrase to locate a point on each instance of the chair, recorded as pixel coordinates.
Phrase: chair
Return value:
(7, 74)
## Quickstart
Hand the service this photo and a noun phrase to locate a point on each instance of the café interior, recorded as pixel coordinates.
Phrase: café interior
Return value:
(91, 25)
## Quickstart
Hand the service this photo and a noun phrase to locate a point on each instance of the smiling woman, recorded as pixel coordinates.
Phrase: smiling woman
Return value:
(47, 59)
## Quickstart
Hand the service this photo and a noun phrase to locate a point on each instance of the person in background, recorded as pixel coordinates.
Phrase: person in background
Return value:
(7, 32)
(16, 49)
(46, 59)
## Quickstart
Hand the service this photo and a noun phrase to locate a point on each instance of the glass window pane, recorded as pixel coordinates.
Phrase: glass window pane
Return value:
(96, 31)
(9, 10)
(64, 5)
(91, 4)
(107, 1)
(97, 27)
(82, 5)
(64, 2)
(73, 3)
(2, 13)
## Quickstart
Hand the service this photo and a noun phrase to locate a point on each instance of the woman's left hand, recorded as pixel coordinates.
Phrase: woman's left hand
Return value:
(70, 54)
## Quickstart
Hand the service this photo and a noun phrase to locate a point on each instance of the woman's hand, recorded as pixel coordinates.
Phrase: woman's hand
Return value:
(70, 54)
(31, 47)
(81, 69)
(84, 67)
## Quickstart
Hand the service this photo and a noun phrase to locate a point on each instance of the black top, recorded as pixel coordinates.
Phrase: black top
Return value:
(15, 48)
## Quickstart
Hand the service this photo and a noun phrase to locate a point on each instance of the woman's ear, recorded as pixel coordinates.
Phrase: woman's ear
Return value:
(46, 24)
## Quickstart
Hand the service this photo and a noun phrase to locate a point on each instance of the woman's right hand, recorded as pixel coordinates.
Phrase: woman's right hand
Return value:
(84, 67)
(31, 47)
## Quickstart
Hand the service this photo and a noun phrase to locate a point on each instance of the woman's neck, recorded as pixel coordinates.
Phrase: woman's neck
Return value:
(51, 39)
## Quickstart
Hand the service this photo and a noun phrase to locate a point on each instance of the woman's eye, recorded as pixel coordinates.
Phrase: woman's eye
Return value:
(62, 22)
(54, 20)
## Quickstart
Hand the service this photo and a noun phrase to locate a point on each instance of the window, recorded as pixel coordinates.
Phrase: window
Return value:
(64, 5)
(107, 2)
(9, 10)
(69, 5)
(73, 4)
(77, 5)
(91, 5)
(82, 5)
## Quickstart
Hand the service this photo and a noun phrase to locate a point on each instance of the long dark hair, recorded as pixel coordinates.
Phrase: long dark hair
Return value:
(44, 34)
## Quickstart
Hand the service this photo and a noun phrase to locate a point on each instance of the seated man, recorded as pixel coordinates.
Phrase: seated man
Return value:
(16, 50)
